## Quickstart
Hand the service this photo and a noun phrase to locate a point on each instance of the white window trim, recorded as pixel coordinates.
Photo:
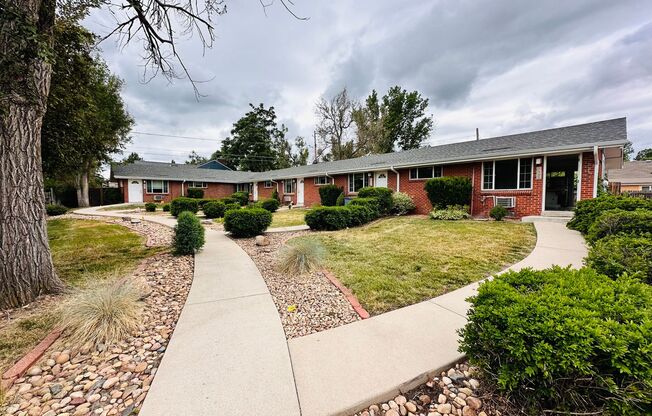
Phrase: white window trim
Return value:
(162, 187)
(192, 184)
(518, 177)
(271, 185)
(365, 181)
(329, 180)
(425, 179)
(237, 186)
(292, 186)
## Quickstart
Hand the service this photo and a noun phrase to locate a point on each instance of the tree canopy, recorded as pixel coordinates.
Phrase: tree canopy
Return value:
(645, 154)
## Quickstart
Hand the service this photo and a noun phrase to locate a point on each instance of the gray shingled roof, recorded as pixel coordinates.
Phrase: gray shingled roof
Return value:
(177, 171)
(634, 172)
(579, 137)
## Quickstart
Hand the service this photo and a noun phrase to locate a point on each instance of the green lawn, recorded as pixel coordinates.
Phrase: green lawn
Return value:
(288, 218)
(84, 252)
(127, 207)
(404, 260)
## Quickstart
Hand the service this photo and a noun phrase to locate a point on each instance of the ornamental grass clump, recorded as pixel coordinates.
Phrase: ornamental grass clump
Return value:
(105, 314)
(188, 234)
(301, 256)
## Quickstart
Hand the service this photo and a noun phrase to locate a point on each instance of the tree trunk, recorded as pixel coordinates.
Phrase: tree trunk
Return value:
(26, 268)
(82, 190)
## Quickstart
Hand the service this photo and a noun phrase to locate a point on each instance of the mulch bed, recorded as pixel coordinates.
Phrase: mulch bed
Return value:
(308, 303)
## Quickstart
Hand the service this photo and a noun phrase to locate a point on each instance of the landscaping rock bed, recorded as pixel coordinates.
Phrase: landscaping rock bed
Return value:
(308, 303)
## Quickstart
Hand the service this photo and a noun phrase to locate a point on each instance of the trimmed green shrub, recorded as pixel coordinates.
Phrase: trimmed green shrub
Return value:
(329, 194)
(150, 207)
(372, 203)
(275, 195)
(588, 210)
(383, 195)
(228, 200)
(166, 207)
(498, 213)
(564, 340)
(328, 218)
(403, 203)
(231, 206)
(188, 234)
(617, 221)
(449, 190)
(340, 200)
(269, 204)
(195, 193)
(178, 205)
(241, 197)
(451, 213)
(618, 254)
(205, 201)
(214, 209)
(55, 209)
(359, 215)
(247, 222)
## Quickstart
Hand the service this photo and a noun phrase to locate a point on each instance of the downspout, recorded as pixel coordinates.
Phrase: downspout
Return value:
(398, 179)
(183, 183)
(596, 165)
(472, 189)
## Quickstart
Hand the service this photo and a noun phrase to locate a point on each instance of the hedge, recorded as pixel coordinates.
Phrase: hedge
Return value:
(615, 255)
(269, 204)
(247, 222)
(55, 209)
(588, 210)
(232, 206)
(188, 234)
(449, 190)
(229, 200)
(205, 201)
(372, 203)
(617, 221)
(359, 215)
(214, 209)
(329, 194)
(564, 340)
(195, 193)
(383, 195)
(241, 197)
(178, 205)
(150, 207)
(328, 218)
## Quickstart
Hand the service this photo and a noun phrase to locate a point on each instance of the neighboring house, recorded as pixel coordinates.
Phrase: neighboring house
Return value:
(529, 173)
(635, 176)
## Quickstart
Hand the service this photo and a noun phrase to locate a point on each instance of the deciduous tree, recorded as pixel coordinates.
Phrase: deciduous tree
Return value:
(334, 126)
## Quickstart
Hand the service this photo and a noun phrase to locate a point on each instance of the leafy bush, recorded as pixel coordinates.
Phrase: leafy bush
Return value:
(232, 206)
(188, 234)
(403, 203)
(178, 205)
(359, 215)
(615, 255)
(617, 221)
(340, 200)
(150, 207)
(449, 190)
(302, 256)
(383, 195)
(452, 213)
(195, 193)
(562, 339)
(247, 222)
(275, 195)
(104, 314)
(214, 209)
(372, 203)
(588, 210)
(498, 212)
(329, 194)
(229, 200)
(328, 218)
(205, 201)
(166, 207)
(241, 197)
(270, 204)
(55, 209)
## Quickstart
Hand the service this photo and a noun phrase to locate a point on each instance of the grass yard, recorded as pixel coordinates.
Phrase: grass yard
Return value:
(288, 218)
(123, 207)
(400, 261)
(84, 252)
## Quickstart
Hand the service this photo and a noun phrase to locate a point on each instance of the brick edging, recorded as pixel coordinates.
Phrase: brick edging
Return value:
(29, 359)
(350, 297)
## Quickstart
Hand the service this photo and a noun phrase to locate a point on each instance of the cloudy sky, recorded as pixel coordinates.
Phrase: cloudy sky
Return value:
(501, 66)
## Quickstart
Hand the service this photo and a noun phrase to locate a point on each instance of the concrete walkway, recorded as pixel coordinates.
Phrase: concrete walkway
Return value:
(341, 370)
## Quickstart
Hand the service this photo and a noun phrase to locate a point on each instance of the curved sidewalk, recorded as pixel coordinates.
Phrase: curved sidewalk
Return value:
(341, 370)
(228, 354)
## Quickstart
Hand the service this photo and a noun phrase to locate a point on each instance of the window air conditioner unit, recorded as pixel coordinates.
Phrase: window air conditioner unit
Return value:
(506, 201)
(158, 197)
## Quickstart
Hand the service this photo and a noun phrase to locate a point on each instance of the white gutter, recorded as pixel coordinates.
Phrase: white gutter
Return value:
(596, 164)
(182, 185)
(398, 179)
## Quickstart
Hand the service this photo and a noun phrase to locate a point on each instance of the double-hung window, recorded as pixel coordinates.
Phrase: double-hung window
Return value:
(268, 184)
(193, 184)
(243, 187)
(322, 180)
(288, 186)
(507, 174)
(157, 187)
(358, 181)
(425, 172)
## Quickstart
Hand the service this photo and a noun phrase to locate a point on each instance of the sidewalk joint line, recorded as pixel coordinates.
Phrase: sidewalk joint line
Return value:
(449, 310)
(233, 298)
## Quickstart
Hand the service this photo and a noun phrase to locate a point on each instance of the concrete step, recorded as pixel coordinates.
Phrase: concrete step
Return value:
(546, 218)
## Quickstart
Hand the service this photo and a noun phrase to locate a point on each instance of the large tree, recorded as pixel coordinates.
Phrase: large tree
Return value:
(370, 129)
(334, 121)
(86, 120)
(195, 159)
(644, 154)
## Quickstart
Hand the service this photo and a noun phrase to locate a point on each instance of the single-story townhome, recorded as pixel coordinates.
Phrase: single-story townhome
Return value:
(635, 176)
(528, 173)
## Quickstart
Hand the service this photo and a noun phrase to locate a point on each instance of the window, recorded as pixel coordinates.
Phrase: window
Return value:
(322, 180)
(426, 172)
(243, 187)
(193, 184)
(507, 174)
(268, 184)
(646, 188)
(157, 187)
(358, 181)
(288, 186)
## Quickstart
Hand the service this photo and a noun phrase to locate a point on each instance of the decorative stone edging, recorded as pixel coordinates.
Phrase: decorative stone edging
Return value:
(350, 297)
(29, 359)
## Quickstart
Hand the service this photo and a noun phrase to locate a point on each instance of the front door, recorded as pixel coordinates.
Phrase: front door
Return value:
(135, 191)
(561, 182)
(381, 179)
(300, 191)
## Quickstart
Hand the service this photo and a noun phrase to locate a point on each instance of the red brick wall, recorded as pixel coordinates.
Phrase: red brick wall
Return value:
(265, 193)
(213, 190)
(588, 176)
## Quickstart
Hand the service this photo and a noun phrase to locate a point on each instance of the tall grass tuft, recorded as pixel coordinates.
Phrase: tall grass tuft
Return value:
(104, 314)
(303, 256)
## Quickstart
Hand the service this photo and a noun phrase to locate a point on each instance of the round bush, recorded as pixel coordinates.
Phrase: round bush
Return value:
(214, 209)
(166, 207)
(231, 206)
(178, 205)
(55, 209)
(270, 204)
(195, 193)
(329, 194)
(247, 222)
(372, 203)
(359, 215)
(328, 218)
(228, 200)
(188, 234)
(205, 201)
(498, 213)
(150, 207)
(449, 190)
(588, 210)
(617, 221)
(403, 203)
(615, 255)
(241, 197)
(383, 195)
(562, 339)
